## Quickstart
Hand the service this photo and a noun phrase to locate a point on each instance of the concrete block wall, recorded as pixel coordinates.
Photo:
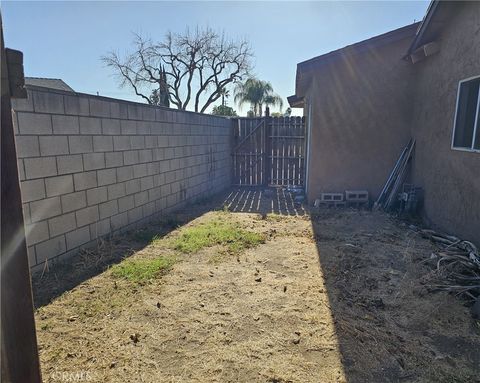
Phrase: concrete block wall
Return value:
(90, 166)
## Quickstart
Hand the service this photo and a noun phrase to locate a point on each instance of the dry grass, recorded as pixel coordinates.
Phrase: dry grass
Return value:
(336, 300)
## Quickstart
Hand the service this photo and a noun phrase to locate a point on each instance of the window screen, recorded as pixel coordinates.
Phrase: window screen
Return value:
(466, 135)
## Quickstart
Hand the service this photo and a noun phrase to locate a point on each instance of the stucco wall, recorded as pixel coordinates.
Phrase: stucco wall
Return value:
(360, 119)
(90, 166)
(451, 178)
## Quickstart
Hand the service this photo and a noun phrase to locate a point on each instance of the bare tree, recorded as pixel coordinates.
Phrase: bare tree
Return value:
(190, 67)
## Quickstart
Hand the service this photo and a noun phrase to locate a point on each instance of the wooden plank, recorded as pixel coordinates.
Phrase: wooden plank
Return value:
(19, 353)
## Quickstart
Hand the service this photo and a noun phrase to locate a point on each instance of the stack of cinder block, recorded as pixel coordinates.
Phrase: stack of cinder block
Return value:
(331, 199)
(356, 197)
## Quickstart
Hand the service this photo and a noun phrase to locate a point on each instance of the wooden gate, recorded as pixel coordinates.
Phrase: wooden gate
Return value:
(269, 151)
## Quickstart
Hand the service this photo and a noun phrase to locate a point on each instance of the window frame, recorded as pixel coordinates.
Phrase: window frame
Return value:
(477, 116)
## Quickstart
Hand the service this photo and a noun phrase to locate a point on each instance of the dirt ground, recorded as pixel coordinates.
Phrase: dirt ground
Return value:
(336, 295)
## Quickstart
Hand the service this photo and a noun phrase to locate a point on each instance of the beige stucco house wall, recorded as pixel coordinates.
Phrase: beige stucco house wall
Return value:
(450, 178)
(359, 106)
(364, 102)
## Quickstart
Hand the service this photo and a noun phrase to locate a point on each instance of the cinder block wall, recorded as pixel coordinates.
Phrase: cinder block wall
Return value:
(91, 165)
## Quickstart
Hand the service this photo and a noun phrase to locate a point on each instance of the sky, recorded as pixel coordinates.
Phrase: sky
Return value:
(65, 39)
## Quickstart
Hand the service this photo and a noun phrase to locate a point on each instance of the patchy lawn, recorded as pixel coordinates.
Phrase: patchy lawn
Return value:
(247, 297)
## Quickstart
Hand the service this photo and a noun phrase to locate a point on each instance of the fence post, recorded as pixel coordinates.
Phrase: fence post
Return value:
(267, 163)
(19, 354)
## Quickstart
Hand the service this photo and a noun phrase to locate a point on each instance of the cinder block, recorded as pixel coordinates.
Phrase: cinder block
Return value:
(137, 142)
(121, 143)
(48, 102)
(356, 195)
(148, 113)
(102, 144)
(331, 197)
(146, 183)
(144, 128)
(116, 191)
(135, 215)
(23, 104)
(80, 144)
(70, 164)
(97, 195)
(27, 146)
(40, 167)
(139, 170)
(86, 180)
(145, 155)
(124, 173)
(160, 114)
(100, 228)
(152, 168)
(92, 161)
(119, 221)
(110, 126)
(128, 127)
(65, 124)
(115, 110)
(53, 145)
(61, 224)
(59, 185)
(141, 198)
(32, 260)
(50, 249)
(73, 201)
(26, 213)
(158, 154)
(106, 177)
(21, 169)
(32, 190)
(32, 123)
(36, 233)
(87, 215)
(77, 237)
(162, 141)
(108, 209)
(114, 159)
(90, 125)
(151, 142)
(134, 112)
(132, 186)
(130, 157)
(99, 107)
(148, 209)
(76, 105)
(126, 203)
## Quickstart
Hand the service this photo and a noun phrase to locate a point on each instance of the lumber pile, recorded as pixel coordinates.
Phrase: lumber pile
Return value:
(391, 189)
(457, 263)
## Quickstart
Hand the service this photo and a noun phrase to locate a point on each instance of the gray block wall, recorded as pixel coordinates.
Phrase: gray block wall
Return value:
(90, 166)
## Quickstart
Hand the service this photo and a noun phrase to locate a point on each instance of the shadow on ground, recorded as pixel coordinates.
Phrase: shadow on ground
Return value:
(391, 326)
(63, 276)
(263, 201)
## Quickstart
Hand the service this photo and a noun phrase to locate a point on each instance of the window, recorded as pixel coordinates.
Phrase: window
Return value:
(466, 133)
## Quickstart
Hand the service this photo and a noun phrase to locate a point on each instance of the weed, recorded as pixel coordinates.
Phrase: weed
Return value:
(218, 231)
(145, 235)
(142, 269)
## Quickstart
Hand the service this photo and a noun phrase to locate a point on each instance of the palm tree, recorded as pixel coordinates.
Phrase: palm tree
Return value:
(256, 93)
